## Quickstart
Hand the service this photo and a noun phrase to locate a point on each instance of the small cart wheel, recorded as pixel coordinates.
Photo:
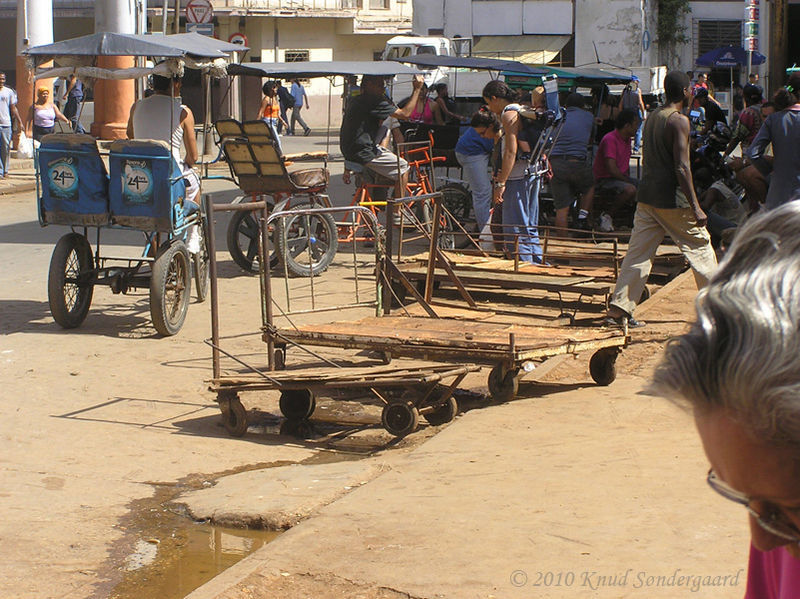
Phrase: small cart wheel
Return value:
(234, 417)
(280, 358)
(170, 288)
(645, 295)
(603, 365)
(386, 357)
(70, 283)
(443, 413)
(400, 419)
(503, 383)
(568, 317)
(297, 404)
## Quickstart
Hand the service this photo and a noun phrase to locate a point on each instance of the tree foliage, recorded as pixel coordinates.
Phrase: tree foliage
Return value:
(671, 27)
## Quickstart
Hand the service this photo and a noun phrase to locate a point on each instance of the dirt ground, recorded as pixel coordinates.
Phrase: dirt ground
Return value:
(101, 419)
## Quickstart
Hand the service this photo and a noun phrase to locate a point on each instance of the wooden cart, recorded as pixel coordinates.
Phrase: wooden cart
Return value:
(513, 350)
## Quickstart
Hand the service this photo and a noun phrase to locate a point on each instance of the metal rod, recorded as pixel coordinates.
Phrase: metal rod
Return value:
(432, 251)
(310, 261)
(208, 206)
(266, 283)
(386, 295)
(355, 257)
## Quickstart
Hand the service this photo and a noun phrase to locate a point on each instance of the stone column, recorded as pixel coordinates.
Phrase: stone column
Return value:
(34, 28)
(113, 99)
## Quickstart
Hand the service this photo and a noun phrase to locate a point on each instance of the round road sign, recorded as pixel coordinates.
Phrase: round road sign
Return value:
(199, 11)
(238, 38)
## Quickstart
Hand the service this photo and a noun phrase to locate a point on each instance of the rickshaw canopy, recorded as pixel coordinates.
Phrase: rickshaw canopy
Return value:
(308, 70)
(433, 61)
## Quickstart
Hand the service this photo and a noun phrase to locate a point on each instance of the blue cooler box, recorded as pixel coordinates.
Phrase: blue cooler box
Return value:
(147, 188)
(74, 181)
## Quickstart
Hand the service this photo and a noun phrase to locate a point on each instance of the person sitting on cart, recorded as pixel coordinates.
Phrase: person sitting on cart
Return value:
(361, 129)
(163, 117)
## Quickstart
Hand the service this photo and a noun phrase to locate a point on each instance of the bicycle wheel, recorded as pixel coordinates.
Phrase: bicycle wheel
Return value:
(295, 233)
(447, 237)
(200, 264)
(458, 201)
(243, 232)
(170, 288)
(70, 283)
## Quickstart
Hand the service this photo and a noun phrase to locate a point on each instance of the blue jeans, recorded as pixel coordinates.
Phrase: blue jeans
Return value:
(5, 148)
(273, 126)
(637, 139)
(521, 217)
(476, 174)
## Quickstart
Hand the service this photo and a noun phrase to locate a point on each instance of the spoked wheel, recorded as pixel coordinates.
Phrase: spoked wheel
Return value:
(70, 283)
(443, 413)
(503, 383)
(306, 243)
(447, 237)
(243, 232)
(170, 288)
(200, 264)
(458, 201)
(234, 415)
(400, 419)
(603, 365)
(297, 404)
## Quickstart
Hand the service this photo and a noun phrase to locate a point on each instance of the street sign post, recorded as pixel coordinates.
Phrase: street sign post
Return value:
(752, 15)
(199, 11)
(238, 38)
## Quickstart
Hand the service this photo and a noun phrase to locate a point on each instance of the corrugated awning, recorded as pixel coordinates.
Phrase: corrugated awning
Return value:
(530, 49)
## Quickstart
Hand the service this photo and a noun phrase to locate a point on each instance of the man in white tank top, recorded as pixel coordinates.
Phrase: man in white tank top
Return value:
(163, 117)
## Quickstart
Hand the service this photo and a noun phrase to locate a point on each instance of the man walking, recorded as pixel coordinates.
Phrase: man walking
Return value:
(8, 112)
(74, 99)
(286, 102)
(299, 95)
(667, 204)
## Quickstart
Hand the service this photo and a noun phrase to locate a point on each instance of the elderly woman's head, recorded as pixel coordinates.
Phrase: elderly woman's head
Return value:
(739, 370)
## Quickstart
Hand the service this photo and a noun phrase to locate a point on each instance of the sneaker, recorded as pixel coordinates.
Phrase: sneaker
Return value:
(193, 239)
(619, 321)
(606, 223)
(307, 132)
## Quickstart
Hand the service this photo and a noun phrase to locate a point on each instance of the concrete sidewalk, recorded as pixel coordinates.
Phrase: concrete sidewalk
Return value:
(583, 492)
(21, 176)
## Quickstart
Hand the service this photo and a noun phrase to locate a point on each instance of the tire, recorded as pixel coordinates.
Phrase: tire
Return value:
(297, 404)
(293, 235)
(242, 237)
(603, 366)
(503, 384)
(458, 201)
(170, 288)
(70, 282)
(235, 418)
(447, 238)
(443, 413)
(400, 419)
(200, 264)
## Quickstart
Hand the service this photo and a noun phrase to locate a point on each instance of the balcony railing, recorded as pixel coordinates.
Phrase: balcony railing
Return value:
(293, 4)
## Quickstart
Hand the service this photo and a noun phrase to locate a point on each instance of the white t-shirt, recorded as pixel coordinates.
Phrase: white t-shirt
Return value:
(8, 98)
(159, 117)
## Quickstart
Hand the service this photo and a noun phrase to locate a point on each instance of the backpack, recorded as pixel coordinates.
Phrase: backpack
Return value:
(630, 99)
(286, 98)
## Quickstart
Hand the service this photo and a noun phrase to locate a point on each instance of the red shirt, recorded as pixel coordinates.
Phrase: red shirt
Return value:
(613, 145)
(772, 575)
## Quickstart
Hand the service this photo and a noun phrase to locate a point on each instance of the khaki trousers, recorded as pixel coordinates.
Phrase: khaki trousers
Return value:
(650, 224)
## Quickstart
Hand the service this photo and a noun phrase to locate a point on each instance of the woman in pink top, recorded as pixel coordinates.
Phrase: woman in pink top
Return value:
(42, 115)
(426, 110)
(737, 368)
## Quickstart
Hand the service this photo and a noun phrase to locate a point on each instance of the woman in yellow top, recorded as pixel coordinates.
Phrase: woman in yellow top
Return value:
(270, 109)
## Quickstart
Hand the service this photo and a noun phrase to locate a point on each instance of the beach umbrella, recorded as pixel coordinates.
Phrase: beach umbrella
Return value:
(729, 57)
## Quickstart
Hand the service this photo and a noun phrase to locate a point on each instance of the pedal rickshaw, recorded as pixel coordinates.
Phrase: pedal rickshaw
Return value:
(142, 189)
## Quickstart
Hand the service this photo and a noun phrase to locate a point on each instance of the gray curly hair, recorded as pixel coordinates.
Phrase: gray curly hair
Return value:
(742, 355)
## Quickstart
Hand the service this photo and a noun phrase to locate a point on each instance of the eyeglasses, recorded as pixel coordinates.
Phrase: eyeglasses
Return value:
(773, 520)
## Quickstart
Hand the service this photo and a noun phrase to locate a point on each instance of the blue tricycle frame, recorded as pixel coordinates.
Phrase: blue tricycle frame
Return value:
(143, 190)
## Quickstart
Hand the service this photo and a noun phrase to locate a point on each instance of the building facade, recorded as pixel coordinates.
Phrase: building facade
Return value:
(580, 32)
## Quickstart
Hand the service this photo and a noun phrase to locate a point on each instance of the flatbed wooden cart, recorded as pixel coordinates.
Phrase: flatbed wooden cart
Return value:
(513, 350)
(407, 393)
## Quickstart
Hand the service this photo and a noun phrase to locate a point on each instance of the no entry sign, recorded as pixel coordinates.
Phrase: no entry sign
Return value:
(199, 11)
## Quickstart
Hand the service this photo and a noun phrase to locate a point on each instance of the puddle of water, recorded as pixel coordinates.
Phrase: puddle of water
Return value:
(193, 554)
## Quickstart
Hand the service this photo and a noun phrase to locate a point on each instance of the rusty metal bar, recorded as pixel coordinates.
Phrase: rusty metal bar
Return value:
(208, 206)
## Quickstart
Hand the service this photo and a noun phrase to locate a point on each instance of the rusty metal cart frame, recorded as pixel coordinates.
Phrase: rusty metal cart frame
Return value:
(401, 411)
(510, 361)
